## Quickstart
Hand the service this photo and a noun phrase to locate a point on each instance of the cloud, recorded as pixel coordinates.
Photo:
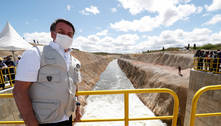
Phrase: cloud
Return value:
(92, 10)
(68, 7)
(215, 19)
(102, 33)
(178, 38)
(199, 10)
(167, 13)
(41, 37)
(113, 10)
(144, 24)
(216, 5)
(96, 43)
(153, 6)
(216, 38)
(133, 43)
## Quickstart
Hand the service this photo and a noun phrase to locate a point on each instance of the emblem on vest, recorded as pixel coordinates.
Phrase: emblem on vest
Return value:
(49, 78)
(78, 66)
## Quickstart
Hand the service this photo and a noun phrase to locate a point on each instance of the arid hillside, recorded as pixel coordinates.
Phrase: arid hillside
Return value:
(159, 70)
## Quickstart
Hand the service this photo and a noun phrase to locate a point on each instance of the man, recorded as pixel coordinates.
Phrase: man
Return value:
(179, 71)
(2, 64)
(219, 60)
(46, 80)
(9, 61)
(3, 76)
(17, 61)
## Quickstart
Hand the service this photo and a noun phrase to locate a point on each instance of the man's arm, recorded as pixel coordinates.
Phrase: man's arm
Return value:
(22, 99)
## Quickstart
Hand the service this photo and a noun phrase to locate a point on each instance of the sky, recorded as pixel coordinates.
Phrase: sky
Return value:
(118, 26)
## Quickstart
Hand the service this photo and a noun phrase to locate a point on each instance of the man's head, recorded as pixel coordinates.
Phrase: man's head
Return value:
(63, 27)
(9, 57)
(19, 57)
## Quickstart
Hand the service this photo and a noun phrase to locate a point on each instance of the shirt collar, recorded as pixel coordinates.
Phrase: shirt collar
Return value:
(55, 46)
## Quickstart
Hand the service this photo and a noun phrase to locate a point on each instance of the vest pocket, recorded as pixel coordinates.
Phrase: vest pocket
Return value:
(49, 77)
(46, 110)
(50, 60)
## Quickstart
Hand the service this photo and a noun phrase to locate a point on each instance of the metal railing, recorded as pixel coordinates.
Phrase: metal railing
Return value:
(207, 64)
(7, 75)
(195, 100)
(126, 93)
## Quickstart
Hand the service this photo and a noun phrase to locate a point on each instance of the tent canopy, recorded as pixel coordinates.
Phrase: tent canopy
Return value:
(11, 40)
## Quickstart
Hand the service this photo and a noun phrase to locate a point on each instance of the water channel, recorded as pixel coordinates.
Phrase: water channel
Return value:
(112, 106)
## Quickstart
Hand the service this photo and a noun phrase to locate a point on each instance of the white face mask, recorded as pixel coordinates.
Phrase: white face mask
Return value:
(63, 41)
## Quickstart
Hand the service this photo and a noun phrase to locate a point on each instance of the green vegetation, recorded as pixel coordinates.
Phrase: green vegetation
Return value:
(210, 47)
(206, 47)
(163, 49)
(173, 49)
(104, 53)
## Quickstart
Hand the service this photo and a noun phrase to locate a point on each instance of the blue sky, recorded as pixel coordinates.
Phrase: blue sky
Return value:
(121, 26)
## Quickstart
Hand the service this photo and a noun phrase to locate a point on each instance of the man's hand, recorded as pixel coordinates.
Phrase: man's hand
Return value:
(78, 114)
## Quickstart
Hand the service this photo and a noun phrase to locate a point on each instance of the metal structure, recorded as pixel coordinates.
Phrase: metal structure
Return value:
(195, 100)
(7, 75)
(207, 64)
(126, 93)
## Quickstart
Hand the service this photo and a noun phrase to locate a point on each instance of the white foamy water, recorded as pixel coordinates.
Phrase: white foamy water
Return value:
(112, 106)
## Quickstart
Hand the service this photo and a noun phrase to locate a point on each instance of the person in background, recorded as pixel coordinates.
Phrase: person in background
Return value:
(219, 60)
(2, 64)
(11, 70)
(197, 60)
(9, 61)
(179, 71)
(46, 80)
(3, 72)
(19, 57)
(201, 57)
(206, 61)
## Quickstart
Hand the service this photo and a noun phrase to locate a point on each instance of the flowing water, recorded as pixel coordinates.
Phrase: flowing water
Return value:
(112, 106)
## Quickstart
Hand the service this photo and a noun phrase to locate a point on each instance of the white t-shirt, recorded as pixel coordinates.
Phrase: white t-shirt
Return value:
(29, 64)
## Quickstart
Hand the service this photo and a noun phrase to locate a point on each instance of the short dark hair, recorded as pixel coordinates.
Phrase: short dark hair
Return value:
(53, 25)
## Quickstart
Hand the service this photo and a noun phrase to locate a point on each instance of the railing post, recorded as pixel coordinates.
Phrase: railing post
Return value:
(10, 77)
(1, 76)
(175, 108)
(217, 67)
(126, 109)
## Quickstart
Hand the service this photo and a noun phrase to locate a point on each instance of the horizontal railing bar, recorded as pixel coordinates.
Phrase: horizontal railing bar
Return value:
(10, 95)
(208, 114)
(101, 120)
(11, 122)
(104, 92)
(152, 118)
(130, 119)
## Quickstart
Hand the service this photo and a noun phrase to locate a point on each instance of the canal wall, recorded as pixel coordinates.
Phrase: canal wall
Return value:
(143, 75)
(209, 102)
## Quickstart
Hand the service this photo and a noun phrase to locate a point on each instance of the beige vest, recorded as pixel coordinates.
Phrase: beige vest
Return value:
(53, 95)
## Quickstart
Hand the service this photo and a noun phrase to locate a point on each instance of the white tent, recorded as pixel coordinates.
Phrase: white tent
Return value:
(10, 40)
